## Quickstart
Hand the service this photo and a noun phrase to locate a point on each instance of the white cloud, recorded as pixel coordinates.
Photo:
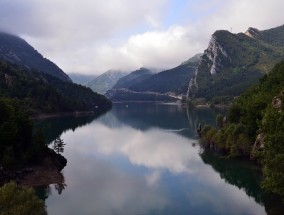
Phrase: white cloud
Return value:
(91, 36)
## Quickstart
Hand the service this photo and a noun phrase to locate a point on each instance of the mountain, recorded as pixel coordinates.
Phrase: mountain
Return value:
(142, 85)
(39, 93)
(232, 62)
(18, 51)
(82, 79)
(253, 128)
(133, 78)
(173, 81)
(105, 81)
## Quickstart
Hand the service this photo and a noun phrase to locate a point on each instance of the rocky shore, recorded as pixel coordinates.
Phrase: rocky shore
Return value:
(48, 172)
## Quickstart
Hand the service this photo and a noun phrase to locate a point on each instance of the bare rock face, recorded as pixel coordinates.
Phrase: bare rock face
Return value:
(259, 142)
(234, 61)
(277, 101)
(215, 53)
(253, 33)
(9, 80)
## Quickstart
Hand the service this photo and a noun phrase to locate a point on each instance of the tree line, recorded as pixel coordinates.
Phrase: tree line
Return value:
(254, 128)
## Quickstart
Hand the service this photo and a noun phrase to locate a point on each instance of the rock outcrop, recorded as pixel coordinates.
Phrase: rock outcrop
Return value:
(232, 62)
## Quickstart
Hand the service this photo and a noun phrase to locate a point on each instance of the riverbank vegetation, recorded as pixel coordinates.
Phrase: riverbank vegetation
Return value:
(254, 128)
(40, 93)
(20, 201)
(20, 146)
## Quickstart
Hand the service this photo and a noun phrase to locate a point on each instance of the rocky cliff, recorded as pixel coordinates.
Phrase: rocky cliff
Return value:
(232, 62)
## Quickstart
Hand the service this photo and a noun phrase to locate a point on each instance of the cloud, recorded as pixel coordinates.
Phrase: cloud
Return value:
(91, 36)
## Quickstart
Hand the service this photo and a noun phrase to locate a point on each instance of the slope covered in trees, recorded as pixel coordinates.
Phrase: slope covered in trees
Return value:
(16, 50)
(19, 145)
(233, 62)
(254, 127)
(42, 93)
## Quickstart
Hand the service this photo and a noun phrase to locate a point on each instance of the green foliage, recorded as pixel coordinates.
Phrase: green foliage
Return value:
(241, 61)
(258, 110)
(41, 93)
(219, 121)
(273, 127)
(17, 144)
(20, 201)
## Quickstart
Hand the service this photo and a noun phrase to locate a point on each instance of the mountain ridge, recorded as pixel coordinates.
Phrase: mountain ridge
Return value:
(232, 62)
(105, 81)
(16, 50)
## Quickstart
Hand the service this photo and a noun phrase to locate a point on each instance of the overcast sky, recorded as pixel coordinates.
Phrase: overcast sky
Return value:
(92, 36)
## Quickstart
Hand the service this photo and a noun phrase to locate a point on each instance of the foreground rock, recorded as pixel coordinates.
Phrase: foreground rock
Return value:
(48, 172)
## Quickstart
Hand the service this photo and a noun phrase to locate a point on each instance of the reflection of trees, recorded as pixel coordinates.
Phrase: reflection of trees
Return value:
(54, 127)
(246, 177)
(43, 192)
(61, 185)
(169, 117)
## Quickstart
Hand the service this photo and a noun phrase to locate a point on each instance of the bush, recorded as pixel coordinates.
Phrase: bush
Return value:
(20, 201)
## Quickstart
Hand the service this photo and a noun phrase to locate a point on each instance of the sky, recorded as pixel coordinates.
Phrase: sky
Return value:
(93, 36)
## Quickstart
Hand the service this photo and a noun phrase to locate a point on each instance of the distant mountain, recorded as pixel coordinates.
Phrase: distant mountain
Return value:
(105, 81)
(42, 93)
(232, 62)
(142, 85)
(18, 51)
(133, 78)
(173, 81)
(81, 79)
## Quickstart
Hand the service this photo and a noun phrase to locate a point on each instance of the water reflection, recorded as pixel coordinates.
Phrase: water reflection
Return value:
(145, 160)
(246, 177)
(52, 128)
(173, 118)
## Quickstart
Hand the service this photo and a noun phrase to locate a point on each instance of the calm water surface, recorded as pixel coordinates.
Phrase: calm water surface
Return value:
(145, 159)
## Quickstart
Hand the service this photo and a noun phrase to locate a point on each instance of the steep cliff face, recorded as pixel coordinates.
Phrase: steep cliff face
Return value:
(232, 62)
(216, 54)
(16, 50)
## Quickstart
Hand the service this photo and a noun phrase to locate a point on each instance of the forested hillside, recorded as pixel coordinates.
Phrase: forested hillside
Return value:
(16, 50)
(254, 128)
(42, 93)
(233, 62)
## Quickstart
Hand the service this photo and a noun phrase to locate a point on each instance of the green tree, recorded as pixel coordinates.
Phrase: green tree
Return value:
(219, 121)
(58, 145)
(20, 201)
(273, 128)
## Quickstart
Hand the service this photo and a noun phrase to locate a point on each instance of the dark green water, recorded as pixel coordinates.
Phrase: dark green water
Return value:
(145, 159)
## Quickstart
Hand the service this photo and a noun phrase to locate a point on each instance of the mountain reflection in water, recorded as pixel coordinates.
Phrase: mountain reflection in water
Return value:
(145, 159)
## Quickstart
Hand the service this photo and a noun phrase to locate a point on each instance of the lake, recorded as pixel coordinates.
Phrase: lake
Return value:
(146, 159)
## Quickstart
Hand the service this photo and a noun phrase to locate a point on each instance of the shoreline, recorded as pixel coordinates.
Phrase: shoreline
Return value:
(63, 114)
(44, 173)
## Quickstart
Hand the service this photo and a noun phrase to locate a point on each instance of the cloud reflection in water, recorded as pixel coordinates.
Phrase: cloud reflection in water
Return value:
(97, 183)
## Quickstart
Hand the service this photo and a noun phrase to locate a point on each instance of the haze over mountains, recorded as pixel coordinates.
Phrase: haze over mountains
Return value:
(230, 64)
(105, 81)
(38, 85)
(82, 79)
